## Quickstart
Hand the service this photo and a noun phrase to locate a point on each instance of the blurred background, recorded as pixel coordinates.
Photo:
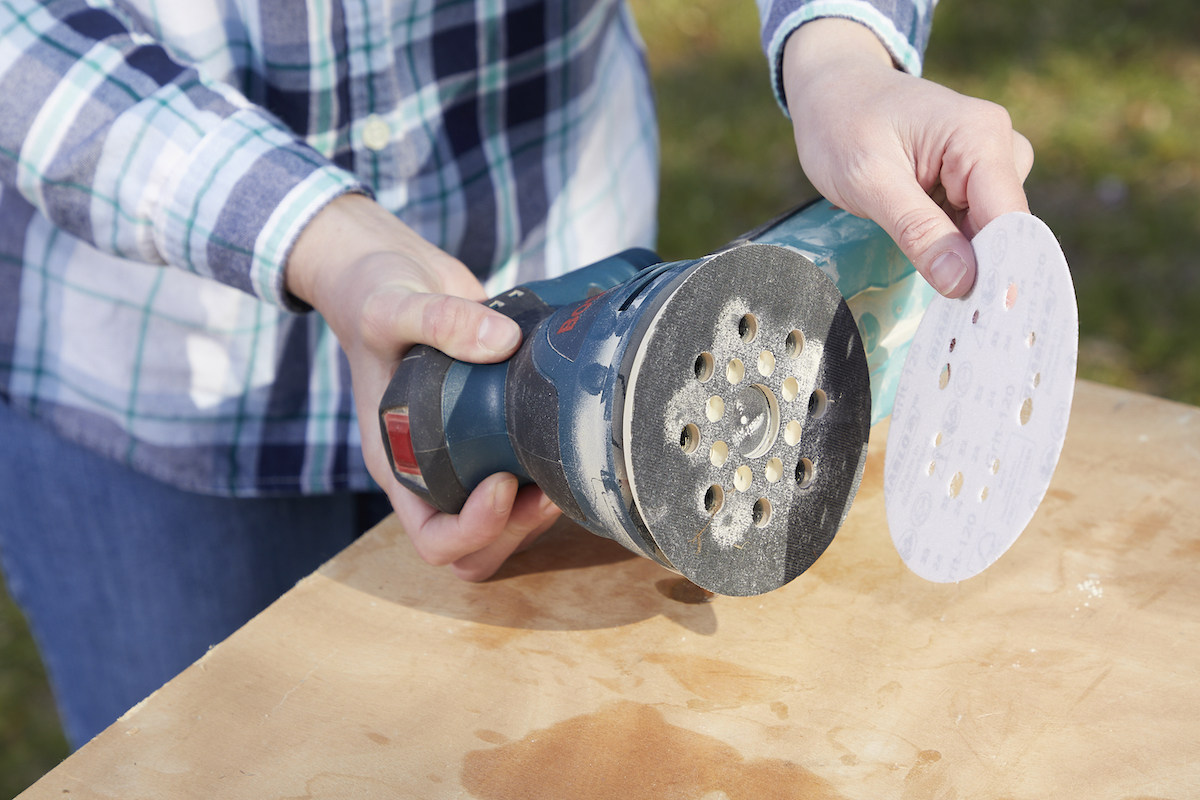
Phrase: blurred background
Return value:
(1108, 92)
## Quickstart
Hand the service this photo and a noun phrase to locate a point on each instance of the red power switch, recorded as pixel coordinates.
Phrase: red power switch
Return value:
(400, 438)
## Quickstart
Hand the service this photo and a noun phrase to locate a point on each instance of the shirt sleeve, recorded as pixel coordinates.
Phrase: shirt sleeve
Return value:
(902, 26)
(141, 156)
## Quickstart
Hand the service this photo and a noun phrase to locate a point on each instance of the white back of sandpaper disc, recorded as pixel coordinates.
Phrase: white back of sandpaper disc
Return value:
(982, 405)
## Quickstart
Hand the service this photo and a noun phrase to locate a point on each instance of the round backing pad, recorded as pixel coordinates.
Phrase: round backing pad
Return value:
(746, 419)
(982, 405)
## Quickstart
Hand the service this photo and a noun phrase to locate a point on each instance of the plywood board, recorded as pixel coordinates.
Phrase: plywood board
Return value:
(1071, 668)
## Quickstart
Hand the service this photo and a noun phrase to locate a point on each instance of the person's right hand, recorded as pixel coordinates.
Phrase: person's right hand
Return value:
(929, 165)
(382, 288)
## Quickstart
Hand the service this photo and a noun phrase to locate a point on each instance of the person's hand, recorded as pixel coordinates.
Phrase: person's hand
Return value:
(382, 289)
(927, 164)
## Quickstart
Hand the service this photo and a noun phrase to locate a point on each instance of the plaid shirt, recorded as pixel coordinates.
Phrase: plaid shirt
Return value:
(517, 135)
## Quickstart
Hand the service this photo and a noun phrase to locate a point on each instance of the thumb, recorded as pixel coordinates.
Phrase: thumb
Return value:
(925, 234)
(462, 329)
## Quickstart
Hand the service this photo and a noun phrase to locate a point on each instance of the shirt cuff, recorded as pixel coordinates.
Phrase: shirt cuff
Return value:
(240, 200)
(906, 49)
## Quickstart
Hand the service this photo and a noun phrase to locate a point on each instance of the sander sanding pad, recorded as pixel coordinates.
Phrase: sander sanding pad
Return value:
(746, 420)
(982, 405)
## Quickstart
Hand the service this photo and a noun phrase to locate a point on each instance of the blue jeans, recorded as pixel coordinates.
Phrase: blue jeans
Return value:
(126, 581)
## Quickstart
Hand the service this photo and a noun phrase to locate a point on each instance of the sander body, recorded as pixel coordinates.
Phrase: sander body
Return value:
(709, 414)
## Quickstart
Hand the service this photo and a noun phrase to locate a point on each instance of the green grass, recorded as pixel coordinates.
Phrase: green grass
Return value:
(31, 742)
(1108, 93)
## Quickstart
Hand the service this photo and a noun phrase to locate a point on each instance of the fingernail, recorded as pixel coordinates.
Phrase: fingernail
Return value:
(506, 492)
(498, 334)
(547, 507)
(947, 271)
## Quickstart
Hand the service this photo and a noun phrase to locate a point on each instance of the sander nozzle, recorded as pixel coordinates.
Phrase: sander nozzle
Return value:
(711, 414)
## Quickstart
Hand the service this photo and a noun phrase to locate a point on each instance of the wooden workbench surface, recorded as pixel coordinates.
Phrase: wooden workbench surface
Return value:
(1071, 668)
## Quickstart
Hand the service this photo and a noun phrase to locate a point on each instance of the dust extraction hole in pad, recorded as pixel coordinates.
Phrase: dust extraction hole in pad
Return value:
(745, 420)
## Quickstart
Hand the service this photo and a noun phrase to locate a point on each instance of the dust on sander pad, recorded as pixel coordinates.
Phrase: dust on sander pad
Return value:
(746, 418)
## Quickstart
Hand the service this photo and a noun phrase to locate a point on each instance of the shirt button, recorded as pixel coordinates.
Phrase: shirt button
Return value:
(376, 133)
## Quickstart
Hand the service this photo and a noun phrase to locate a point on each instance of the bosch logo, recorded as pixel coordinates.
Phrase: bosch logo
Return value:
(570, 322)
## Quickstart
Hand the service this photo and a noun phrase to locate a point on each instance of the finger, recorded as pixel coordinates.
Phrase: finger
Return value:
(460, 328)
(413, 512)
(444, 538)
(1022, 155)
(532, 536)
(923, 232)
(532, 514)
(993, 189)
(984, 172)
(486, 517)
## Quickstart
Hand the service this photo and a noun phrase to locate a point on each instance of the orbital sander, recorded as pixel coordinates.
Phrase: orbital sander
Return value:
(710, 414)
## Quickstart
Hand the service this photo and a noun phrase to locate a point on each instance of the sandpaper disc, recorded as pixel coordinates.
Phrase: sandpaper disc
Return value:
(746, 419)
(982, 405)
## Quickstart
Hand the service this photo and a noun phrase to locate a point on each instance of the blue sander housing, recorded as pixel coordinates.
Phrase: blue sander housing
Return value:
(709, 414)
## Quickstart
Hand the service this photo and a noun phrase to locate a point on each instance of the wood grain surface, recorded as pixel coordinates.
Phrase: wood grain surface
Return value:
(1071, 668)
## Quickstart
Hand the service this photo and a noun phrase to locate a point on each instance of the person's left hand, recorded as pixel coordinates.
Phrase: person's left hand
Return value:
(929, 165)
(382, 288)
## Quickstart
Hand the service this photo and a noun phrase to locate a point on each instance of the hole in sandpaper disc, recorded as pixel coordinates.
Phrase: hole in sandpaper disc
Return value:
(794, 344)
(804, 473)
(762, 512)
(714, 498)
(818, 403)
(689, 438)
(748, 327)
